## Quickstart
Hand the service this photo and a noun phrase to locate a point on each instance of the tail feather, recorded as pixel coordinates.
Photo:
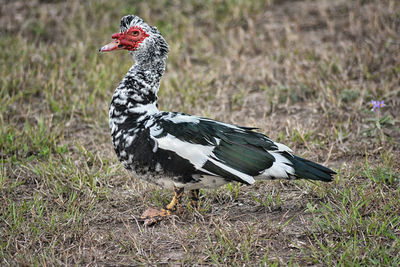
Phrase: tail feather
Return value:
(310, 170)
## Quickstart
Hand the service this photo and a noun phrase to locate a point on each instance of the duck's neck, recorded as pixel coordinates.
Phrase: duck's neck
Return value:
(136, 95)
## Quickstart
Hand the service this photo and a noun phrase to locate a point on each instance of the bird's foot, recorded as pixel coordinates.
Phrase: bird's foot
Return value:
(152, 216)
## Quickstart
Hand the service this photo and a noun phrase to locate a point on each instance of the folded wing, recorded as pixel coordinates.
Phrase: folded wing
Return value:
(220, 149)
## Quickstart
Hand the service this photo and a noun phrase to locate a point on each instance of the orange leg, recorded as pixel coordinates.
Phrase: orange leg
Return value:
(176, 200)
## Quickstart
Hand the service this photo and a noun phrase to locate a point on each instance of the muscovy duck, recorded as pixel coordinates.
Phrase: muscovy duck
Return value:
(179, 151)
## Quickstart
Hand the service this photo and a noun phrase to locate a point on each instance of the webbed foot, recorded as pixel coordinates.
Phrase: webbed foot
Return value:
(152, 215)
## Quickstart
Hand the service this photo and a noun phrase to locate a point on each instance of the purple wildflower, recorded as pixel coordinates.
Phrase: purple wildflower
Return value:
(376, 105)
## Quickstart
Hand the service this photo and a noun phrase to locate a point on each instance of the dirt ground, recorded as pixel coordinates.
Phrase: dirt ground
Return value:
(302, 72)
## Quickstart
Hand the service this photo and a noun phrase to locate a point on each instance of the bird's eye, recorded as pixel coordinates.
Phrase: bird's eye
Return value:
(135, 33)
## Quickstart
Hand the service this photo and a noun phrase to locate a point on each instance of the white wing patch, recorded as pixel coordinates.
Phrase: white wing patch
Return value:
(279, 168)
(195, 153)
(179, 118)
(282, 147)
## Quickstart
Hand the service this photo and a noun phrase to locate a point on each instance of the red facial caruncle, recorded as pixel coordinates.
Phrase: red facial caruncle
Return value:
(129, 40)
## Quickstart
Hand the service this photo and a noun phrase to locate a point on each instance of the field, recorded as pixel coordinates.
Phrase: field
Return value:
(303, 72)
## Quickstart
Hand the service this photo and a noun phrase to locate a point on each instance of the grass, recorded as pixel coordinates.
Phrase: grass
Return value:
(303, 72)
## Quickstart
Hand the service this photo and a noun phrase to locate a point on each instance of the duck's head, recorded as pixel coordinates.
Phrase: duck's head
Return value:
(143, 42)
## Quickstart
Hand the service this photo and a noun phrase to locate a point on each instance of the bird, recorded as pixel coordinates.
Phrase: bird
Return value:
(183, 152)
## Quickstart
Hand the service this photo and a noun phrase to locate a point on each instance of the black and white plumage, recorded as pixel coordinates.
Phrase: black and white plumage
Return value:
(178, 150)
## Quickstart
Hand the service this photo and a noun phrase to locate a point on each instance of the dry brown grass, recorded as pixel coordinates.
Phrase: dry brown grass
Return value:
(303, 72)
